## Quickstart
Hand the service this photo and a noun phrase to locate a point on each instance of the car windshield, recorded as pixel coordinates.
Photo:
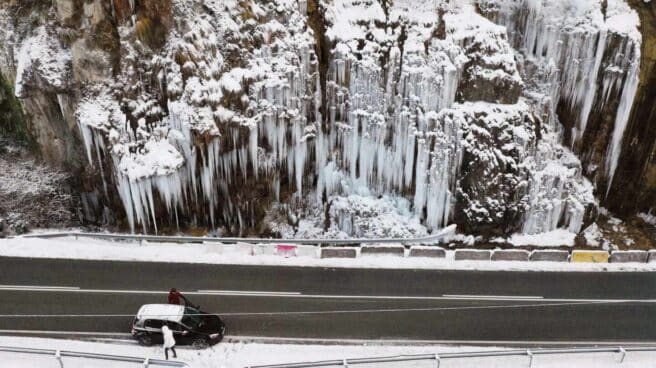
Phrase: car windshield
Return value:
(191, 317)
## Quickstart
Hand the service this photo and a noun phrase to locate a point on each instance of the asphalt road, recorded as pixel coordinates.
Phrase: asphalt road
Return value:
(336, 303)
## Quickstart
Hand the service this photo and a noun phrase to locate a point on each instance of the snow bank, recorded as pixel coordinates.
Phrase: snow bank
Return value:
(70, 248)
(238, 355)
(554, 238)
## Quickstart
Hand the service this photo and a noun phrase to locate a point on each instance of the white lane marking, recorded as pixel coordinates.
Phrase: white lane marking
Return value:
(38, 287)
(292, 294)
(245, 292)
(324, 312)
(77, 290)
(491, 297)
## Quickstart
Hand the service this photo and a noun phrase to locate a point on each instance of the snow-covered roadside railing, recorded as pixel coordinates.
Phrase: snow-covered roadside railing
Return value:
(438, 358)
(59, 355)
(205, 239)
(306, 251)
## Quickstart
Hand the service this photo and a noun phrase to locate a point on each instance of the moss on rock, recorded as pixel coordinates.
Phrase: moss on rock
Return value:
(12, 119)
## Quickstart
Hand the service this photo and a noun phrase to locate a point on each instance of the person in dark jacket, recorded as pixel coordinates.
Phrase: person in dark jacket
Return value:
(174, 296)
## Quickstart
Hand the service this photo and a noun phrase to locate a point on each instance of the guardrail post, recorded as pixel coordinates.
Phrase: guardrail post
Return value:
(59, 358)
(345, 363)
(437, 360)
(146, 362)
(623, 352)
(529, 353)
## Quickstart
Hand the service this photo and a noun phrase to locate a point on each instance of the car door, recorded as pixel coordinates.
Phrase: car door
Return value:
(181, 333)
(154, 328)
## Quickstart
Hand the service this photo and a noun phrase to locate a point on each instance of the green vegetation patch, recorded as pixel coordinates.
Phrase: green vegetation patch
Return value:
(13, 123)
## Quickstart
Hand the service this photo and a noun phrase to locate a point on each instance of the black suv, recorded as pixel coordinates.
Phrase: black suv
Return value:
(190, 326)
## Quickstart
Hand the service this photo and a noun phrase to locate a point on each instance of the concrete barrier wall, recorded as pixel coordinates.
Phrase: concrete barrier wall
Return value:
(427, 251)
(308, 251)
(263, 249)
(338, 252)
(549, 255)
(383, 250)
(622, 256)
(510, 255)
(651, 257)
(593, 256)
(472, 255)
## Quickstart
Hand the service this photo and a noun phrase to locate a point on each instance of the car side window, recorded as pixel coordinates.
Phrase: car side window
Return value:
(154, 323)
(176, 327)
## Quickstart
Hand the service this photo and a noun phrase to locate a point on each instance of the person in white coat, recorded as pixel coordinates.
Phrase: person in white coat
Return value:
(169, 342)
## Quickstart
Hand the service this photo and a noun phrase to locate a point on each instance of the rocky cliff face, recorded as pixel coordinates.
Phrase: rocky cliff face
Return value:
(635, 187)
(341, 117)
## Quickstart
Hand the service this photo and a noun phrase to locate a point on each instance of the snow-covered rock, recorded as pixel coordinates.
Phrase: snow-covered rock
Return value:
(385, 118)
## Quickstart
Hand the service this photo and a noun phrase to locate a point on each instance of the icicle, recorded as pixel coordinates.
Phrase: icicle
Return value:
(100, 147)
(420, 179)
(124, 193)
(61, 102)
(87, 139)
(252, 145)
(622, 117)
(589, 89)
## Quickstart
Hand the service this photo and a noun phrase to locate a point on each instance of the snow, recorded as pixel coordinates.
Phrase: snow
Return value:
(648, 218)
(33, 194)
(93, 114)
(169, 312)
(40, 62)
(245, 354)
(245, 254)
(156, 158)
(361, 216)
(375, 218)
(622, 19)
(23, 179)
(346, 17)
(593, 236)
(554, 238)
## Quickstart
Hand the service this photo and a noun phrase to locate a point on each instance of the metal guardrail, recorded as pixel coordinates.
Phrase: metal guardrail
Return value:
(60, 354)
(198, 239)
(437, 358)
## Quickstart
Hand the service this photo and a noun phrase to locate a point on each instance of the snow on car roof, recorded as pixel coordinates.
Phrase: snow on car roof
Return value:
(168, 312)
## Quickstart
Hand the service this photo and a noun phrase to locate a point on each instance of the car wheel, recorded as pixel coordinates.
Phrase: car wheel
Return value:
(200, 343)
(145, 340)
